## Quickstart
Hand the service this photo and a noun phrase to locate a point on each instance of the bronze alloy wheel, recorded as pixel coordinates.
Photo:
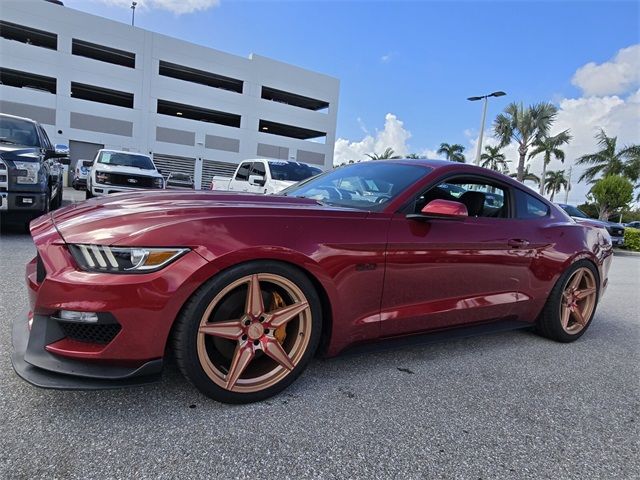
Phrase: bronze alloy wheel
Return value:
(578, 300)
(254, 332)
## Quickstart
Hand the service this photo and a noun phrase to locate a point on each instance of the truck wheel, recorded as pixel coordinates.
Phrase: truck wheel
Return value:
(57, 201)
(87, 193)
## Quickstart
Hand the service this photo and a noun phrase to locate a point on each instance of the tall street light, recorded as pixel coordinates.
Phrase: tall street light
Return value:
(133, 12)
(484, 114)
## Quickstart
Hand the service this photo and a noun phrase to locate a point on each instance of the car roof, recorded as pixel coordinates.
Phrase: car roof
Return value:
(18, 118)
(123, 151)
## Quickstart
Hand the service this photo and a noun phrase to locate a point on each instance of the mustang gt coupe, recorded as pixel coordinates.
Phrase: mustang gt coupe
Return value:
(245, 289)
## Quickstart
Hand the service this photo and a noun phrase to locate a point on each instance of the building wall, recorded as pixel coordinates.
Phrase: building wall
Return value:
(141, 129)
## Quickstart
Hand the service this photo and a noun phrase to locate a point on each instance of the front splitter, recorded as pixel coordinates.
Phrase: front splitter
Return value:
(86, 376)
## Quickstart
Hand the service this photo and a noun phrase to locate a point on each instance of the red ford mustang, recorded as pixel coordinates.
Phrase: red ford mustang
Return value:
(245, 289)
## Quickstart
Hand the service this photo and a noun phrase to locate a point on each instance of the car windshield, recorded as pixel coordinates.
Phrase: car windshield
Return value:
(291, 171)
(573, 211)
(15, 131)
(364, 186)
(126, 160)
(180, 176)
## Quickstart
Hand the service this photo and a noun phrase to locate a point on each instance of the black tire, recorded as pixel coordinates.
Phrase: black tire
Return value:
(186, 330)
(57, 201)
(549, 323)
(88, 194)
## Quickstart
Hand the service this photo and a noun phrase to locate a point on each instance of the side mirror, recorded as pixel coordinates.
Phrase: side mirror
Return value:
(445, 209)
(87, 163)
(257, 180)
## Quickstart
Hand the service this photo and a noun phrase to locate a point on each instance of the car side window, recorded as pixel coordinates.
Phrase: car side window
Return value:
(243, 172)
(258, 169)
(482, 198)
(529, 206)
(46, 144)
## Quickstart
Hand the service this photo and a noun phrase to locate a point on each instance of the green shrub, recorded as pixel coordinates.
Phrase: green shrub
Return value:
(632, 239)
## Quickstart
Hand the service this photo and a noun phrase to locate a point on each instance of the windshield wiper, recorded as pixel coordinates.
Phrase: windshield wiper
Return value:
(4, 140)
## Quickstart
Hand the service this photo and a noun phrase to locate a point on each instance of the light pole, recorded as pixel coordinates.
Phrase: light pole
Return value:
(133, 12)
(484, 114)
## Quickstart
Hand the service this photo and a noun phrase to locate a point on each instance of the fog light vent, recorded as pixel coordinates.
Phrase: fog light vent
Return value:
(79, 317)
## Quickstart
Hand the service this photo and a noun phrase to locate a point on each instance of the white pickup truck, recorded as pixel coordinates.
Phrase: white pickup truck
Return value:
(263, 175)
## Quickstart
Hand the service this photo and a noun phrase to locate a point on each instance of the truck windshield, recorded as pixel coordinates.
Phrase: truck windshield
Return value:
(15, 131)
(126, 160)
(291, 171)
(574, 211)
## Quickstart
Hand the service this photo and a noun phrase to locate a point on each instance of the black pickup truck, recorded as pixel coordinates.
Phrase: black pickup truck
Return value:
(30, 169)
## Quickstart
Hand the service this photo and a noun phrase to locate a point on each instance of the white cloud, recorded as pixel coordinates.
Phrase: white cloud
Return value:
(614, 77)
(386, 58)
(393, 135)
(175, 6)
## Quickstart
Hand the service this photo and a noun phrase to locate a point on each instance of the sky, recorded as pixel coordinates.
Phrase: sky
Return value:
(407, 67)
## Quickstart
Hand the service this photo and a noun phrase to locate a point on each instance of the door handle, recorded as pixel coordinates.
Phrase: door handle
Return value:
(518, 243)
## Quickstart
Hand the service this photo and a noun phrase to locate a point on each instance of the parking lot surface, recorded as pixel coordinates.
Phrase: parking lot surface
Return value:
(508, 405)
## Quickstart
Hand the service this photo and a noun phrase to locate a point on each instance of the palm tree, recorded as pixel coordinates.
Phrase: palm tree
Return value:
(608, 161)
(525, 126)
(494, 159)
(550, 146)
(388, 154)
(554, 181)
(527, 176)
(452, 152)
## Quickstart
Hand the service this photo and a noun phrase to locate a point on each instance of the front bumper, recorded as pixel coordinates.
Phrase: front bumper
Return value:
(98, 189)
(51, 355)
(617, 241)
(22, 201)
(33, 363)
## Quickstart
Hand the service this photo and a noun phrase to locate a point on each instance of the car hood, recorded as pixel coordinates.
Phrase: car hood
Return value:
(591, 221)
(597, 223)
(19, 153)
(104, 167)
(115, 218)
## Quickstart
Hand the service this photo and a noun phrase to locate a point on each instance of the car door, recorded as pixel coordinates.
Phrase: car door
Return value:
(240, 182)
(443, 272)
(257, 168)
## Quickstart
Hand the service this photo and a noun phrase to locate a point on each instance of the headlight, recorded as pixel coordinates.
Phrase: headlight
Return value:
(102, 177)
(29, 173)
(158, 182)
(100, 258)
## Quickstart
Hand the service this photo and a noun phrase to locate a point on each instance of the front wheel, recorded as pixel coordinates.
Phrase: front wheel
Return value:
(249, 332)
(571, 304)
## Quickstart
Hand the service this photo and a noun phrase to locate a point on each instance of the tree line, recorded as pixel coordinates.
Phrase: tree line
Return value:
(613, 171)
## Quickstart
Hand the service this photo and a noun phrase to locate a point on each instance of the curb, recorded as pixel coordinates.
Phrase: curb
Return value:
(625, 253)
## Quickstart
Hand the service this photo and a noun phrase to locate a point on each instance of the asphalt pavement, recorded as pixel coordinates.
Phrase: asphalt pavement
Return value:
(507, 405)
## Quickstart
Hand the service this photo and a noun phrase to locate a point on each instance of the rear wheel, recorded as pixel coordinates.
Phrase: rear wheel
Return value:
(249, 333)
(572, 303)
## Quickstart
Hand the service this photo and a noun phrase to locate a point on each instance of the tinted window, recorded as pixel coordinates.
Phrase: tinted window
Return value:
(291, 171)
(18, 132)
(529, 206)
(126, 160)
(573, 211)
(243, 172)
(258, 169)
(377, 184)
(481, 199)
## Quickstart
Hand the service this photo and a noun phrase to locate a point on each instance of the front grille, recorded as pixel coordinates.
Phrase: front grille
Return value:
(101, 333)
(133, 181)
(41, 272)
